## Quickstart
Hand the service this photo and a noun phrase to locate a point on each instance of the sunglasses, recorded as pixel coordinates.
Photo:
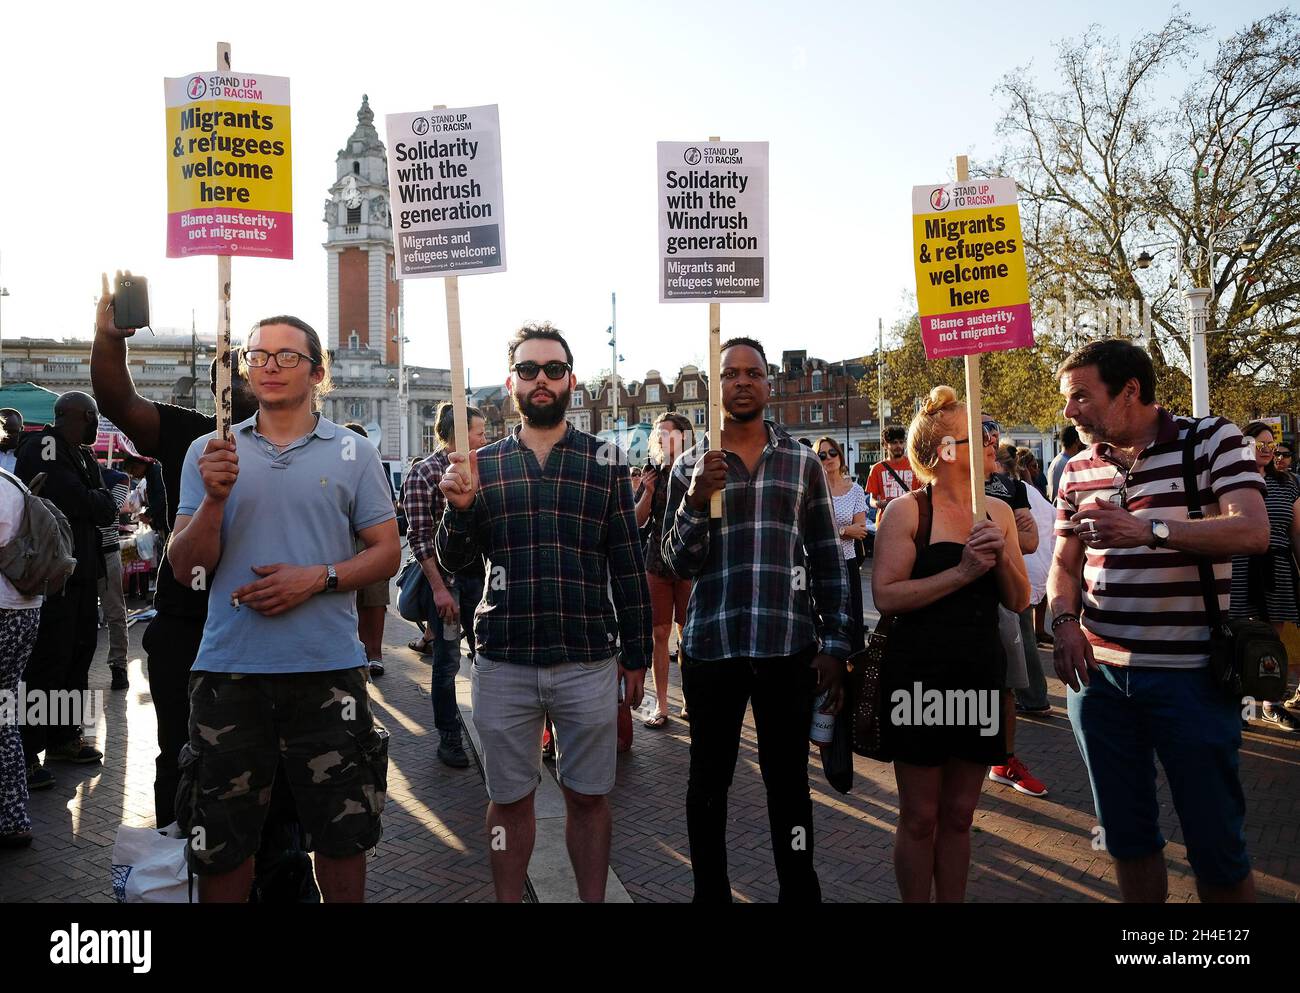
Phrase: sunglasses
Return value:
(285, 359)
(528, 370)
(1266, 446)
(824, 456)
(1282, 454)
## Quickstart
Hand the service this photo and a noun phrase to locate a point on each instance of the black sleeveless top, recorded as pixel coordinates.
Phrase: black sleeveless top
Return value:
(950, 646)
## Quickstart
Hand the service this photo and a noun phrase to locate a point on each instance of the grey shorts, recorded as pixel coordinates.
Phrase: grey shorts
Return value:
(1013, 647)
(511, 703)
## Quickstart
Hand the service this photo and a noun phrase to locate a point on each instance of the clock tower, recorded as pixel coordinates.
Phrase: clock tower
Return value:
(364, 294)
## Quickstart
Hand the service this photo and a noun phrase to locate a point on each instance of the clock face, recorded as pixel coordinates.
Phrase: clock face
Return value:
(351, 195)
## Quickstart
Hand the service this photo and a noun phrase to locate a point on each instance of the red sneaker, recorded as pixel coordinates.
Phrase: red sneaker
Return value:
(1016, 775)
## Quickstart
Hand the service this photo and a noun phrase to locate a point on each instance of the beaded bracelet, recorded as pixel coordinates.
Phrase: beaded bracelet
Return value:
(1064, 619)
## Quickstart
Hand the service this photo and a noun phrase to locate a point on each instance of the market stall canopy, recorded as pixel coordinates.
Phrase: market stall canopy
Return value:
(35, 403)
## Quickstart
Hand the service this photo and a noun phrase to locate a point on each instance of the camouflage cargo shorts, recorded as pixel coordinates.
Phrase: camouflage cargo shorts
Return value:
(241, 726)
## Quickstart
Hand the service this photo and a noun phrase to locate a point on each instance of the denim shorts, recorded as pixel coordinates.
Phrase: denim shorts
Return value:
(511, 703)
(1123, 719)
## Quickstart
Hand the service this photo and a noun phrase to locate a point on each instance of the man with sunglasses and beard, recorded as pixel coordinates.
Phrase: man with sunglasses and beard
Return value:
(551, 508)
(1282, 457)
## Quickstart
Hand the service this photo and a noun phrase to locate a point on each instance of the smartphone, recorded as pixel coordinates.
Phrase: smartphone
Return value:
(131, 302)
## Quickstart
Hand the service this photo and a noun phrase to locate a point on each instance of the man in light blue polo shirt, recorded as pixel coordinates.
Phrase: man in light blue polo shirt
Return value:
(266, 521)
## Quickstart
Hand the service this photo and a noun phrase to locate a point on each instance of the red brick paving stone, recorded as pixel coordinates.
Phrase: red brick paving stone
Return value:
(1028, 849)
(417, 860)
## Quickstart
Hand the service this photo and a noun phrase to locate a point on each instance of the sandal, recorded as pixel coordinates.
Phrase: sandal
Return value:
(420, 646)
(658, 721)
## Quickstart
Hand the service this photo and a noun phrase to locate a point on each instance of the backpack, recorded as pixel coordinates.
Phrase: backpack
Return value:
(38, 558)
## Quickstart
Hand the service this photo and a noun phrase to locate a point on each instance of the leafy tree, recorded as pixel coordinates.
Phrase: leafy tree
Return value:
(1110, 170)
(1018, 386)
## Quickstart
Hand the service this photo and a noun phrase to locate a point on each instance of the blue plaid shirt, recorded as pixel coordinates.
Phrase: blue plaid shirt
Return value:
(769, 577)
(559, 543)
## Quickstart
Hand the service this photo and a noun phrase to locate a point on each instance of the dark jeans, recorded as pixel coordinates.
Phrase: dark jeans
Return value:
(446, 655)
(781, 691)
(172, 644)
(857, 623)
(60, 661)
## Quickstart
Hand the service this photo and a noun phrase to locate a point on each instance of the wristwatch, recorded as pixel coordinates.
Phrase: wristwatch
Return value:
(331, 579)
(1159, 534)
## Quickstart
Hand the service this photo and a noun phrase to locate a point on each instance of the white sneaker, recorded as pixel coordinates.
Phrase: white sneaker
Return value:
(1280, 718)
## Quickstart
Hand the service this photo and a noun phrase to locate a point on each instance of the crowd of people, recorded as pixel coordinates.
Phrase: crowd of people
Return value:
(571, 578)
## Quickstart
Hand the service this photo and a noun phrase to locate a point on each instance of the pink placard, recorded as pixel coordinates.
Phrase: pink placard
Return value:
(265, 234)
(992, 329)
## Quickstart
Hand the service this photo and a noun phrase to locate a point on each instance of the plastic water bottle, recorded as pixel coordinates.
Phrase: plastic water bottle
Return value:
(823, 725)
(451, 629)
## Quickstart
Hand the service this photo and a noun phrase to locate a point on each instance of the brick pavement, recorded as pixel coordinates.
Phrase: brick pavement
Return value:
(1024, 849)
(433, 849)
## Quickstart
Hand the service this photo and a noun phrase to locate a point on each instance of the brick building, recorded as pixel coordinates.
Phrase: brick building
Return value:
(812, 397)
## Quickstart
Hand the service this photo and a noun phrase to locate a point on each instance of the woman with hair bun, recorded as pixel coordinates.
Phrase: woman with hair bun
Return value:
(941, 579)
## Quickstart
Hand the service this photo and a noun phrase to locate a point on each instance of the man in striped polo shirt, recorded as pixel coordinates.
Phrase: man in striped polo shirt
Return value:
(1131, 643)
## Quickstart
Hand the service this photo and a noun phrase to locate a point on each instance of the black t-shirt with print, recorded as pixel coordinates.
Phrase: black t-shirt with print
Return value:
(177, 428)
(1003, 487)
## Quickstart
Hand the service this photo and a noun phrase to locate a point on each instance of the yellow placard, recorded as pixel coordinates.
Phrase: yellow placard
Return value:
(968, 260)
(229, 154)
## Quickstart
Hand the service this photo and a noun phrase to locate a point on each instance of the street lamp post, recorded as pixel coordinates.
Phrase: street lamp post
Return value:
(3, 293)
(1198, 300)
(844, 369)
(194, 362)
(403, 393)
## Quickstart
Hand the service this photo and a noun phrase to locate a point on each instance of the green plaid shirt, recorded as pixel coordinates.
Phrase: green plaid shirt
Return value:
(559, 543)
(769, 577)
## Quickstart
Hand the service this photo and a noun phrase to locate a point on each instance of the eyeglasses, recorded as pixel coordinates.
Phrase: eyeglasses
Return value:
(528, 370)
(284, 359)
(1121, 484)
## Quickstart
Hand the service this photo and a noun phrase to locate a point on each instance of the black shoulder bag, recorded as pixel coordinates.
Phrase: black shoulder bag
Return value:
(867, 668)
(1247, 659)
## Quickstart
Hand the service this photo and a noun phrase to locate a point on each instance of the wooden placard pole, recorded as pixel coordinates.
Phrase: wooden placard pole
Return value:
(974, 417)
(223, 307)
(715, 388)
(451, 286)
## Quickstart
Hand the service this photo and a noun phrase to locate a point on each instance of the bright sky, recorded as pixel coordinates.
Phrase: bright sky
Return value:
(858, 101)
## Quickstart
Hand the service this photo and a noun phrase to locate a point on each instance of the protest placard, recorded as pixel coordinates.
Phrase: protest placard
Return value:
(713, 222)
(972, 290)
(444, 177)
(229, 176)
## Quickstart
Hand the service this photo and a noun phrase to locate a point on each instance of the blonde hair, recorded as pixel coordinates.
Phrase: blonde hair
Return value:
(931, 425)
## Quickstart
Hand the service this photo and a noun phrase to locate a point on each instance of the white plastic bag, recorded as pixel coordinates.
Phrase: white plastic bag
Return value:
(149, 865)
(146, 545)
